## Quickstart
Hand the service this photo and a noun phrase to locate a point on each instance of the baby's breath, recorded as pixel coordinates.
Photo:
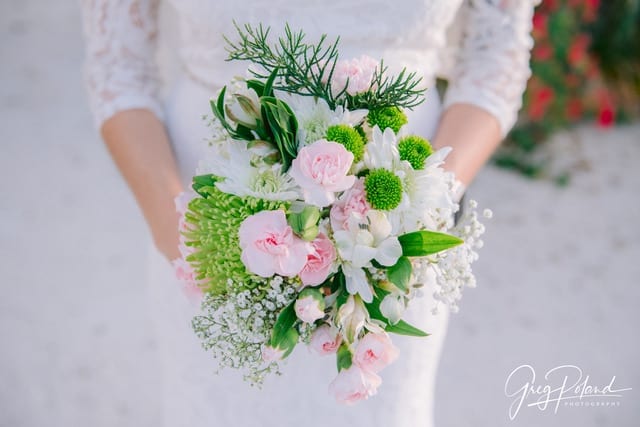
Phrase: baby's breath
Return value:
(235, 327)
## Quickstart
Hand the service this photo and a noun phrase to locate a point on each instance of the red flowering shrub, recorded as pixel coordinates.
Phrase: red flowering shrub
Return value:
(567, 85)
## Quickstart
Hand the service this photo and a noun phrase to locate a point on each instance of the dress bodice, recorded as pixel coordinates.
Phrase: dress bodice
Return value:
(488, 68)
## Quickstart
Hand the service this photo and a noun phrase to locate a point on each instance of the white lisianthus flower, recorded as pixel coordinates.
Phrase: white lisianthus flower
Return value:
(243, 176)
(351, 318)
(242, 105)
(366, 238)
(315, 117)
(392, 307)
(356, 281)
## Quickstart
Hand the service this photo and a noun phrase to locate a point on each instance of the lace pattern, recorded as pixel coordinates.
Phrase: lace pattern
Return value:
(120, 69)
(489, 69)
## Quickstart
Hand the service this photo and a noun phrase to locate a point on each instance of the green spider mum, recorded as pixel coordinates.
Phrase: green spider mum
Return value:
(213, 224)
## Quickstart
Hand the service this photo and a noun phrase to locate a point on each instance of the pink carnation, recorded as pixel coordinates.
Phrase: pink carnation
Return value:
(351, 201)
(182, 204)
(325, 340)
(375, 351)
(354, 384)
(355, 74)
(183, 269)
(321, 169)
(319, 261)
(187, 276)
(309, 309)
(269, 246)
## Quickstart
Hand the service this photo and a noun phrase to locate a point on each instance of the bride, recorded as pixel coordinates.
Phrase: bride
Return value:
(156, 143)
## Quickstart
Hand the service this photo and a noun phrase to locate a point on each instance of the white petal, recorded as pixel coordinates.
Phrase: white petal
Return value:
(345, 243)
(318, 197)
(438, 157)
(362, 255)
(392, 308)
(389, 251)
(389, 137)
(379, 225)
(355, 117)
(357, 283)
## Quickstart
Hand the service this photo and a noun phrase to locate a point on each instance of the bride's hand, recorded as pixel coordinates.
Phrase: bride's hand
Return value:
(166, 235)
(140, 148)
(473, 133)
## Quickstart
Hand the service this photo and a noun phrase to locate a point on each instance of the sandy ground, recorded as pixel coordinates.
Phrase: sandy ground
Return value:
(558, 278)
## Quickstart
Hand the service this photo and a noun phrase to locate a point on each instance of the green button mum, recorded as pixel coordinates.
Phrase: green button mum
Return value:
(384, 189)
(387, 117)
(349, 138)
(414, 149)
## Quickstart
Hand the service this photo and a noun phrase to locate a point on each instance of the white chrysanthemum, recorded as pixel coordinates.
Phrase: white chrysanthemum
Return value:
(244, 175)
(381, 152)
(315, 117)
(427, 196)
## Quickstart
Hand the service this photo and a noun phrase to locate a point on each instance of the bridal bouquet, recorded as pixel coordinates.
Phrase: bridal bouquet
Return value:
(315, 217)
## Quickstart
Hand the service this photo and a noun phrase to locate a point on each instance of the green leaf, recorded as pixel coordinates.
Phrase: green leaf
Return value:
(339, 283)
(373, 307)
(400, 273)
(283, 122)
(284, 323)
(376, 264)
(201, 181)
(403, 328)
(289, 342)
(282, 127)
(344, 358)
(244, 133)
(257, 86)
(219, 107)
(422, 243)
(268, 86)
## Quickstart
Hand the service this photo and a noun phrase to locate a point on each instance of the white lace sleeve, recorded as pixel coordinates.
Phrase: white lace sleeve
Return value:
(120, 68)
(492, 67)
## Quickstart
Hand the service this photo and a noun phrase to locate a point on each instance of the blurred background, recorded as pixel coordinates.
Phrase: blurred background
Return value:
(558, 277)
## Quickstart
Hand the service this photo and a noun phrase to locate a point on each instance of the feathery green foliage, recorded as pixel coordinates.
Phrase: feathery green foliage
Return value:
(307, 68)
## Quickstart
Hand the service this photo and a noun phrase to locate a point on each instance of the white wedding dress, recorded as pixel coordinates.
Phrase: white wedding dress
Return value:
(487, 66)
